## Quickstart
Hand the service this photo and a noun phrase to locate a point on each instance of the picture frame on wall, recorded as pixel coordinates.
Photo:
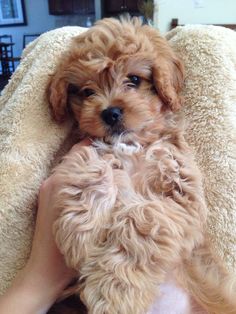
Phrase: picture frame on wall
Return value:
(12, 13)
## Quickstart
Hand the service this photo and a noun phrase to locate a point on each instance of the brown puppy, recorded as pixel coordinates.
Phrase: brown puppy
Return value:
(132, 205)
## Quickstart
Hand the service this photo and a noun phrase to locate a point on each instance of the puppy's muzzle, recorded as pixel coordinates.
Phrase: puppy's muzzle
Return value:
(112, 115)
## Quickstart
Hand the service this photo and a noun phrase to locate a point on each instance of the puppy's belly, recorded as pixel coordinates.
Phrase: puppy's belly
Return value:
(174, 300)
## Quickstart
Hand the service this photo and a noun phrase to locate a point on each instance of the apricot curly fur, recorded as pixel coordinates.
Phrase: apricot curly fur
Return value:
(132, 209)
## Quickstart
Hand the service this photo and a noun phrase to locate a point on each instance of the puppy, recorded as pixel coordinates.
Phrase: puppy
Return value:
(132, 209)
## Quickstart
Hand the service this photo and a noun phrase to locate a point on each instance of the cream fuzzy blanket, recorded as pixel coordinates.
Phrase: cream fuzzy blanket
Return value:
(30, 141)
(209, 55)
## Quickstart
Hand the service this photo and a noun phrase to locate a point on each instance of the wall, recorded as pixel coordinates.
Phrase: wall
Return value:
(212, 12)
(39, 21)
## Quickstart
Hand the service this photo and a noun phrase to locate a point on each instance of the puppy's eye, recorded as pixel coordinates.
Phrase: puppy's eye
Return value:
(87, 92)
(134, 81)
(73, 89)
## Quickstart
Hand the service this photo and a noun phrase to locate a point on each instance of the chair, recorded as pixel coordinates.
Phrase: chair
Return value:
(27, 38)
(6, 55)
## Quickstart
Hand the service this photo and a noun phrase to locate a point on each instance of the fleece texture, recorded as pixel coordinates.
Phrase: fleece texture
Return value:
(209, 55)
(30, 141)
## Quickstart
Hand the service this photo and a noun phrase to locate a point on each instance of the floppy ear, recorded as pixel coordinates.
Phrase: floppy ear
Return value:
(57, 96)
(168, 80)
(167, 71)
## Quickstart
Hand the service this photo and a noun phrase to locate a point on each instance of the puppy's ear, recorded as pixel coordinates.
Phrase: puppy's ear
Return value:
(168, 80)
(168, 70)
(57, 96)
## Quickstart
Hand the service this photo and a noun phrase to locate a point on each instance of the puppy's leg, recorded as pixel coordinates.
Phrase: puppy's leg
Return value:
(84, 201)
(209, 283)
(204, 276)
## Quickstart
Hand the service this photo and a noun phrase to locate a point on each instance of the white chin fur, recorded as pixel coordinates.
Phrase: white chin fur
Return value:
(118, 145)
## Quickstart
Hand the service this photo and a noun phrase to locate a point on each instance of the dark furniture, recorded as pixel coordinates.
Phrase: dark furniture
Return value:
(64, 7)
(3, 83)
(87, 7)
(6, 66)
(175, 23)
(6, 56)
(113, 7)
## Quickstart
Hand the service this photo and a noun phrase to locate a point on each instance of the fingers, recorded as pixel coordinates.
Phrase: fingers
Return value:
(84, 142)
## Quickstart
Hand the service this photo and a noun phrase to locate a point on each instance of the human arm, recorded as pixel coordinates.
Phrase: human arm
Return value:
(45, 275)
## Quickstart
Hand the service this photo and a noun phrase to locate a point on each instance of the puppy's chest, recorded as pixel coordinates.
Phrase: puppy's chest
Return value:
(121, 157)
(151, 169)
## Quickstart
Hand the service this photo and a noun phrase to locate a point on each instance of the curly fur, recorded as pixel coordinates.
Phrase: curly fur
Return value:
(132, 208)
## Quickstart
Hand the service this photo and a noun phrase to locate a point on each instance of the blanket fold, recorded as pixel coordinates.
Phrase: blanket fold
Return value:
(29, 143)
(209, 55)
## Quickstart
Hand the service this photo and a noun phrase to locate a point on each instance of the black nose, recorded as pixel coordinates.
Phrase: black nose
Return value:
(111, 115)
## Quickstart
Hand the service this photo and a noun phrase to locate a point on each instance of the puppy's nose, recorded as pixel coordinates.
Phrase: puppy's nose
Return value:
(111, 115)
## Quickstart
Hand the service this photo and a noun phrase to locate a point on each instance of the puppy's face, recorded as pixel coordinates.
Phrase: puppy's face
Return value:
(118, 78)
(117, 99)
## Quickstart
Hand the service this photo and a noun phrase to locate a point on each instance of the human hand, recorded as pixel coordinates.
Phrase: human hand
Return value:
(45, 275)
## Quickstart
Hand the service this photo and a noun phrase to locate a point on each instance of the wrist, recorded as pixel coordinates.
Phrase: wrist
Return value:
(31, 293)
(20, 298)
(46, 285)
